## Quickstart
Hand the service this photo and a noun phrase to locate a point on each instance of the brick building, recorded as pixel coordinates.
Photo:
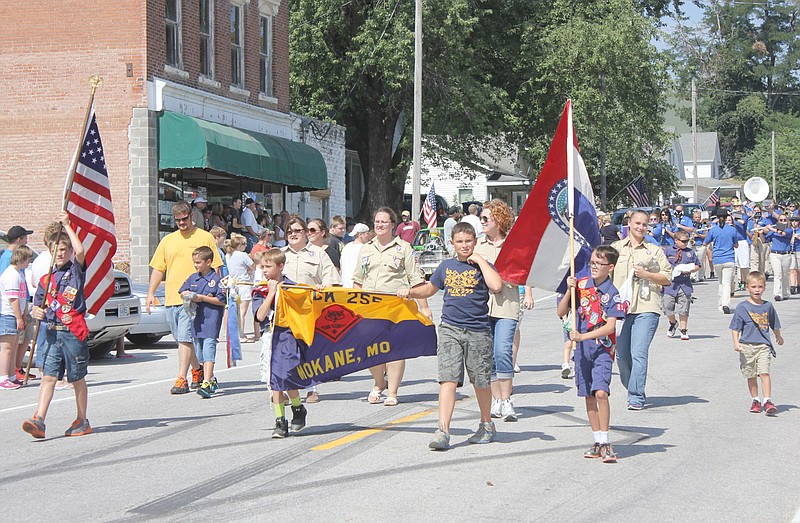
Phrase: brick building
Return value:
(195, 102)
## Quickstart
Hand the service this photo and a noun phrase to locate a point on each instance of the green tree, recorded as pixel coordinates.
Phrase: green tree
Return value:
(758, 162)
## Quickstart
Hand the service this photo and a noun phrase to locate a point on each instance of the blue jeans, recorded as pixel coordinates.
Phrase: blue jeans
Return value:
(503, 332)
(179, 324)
(205, 349)
(62, 351)
(633, 346)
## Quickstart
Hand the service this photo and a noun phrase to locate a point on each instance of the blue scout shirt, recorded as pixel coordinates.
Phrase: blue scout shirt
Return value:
(661, 235)
(683, 282)
(754, 322)
(466, 296)
(67, 281)
(781, 241)
(208, 320)
(724, 240)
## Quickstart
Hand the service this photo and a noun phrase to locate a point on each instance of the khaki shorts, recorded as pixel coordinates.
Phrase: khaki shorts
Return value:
(676, 304)
(754, 359)
(458, 348)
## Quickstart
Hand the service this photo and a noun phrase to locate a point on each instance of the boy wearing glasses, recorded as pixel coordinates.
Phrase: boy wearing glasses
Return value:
(678, 295)
(598, 307)
(173, 258)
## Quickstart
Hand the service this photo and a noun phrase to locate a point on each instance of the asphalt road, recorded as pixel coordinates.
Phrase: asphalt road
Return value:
(694, 454)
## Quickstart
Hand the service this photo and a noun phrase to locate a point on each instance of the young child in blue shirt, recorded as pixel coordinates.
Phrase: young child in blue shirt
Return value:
(598, 307)
(678, 294)
(750, 327)
(205, 290)
(464, 335)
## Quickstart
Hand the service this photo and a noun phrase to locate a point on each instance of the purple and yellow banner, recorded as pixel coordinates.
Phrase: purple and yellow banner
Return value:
(319, 336)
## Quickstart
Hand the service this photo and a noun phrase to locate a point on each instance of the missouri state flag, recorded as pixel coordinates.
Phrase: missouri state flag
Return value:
(537, 249)
(322, 335)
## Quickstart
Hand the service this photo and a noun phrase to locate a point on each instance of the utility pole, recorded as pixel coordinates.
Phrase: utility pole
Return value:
(417, 151)
(774, 182)
(603, 179)
(694, 139)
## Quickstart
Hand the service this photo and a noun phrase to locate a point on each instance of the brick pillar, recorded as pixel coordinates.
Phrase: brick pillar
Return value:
(143, 176)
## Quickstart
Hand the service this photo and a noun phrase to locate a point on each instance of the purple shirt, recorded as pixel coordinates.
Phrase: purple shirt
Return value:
(208, 320)
(682, 281)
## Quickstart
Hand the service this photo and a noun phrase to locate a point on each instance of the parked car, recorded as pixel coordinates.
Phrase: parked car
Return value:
(441, 206)
(119, 314)
(154, 326)
(429, 249)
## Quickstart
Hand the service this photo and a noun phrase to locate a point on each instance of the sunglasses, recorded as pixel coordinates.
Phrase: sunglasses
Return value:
(313, 229)
(484, 219)
(681, 240)
(182, 218)
(296, 231)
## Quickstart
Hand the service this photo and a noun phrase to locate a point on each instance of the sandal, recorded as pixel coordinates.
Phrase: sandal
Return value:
(375, 395)
(390, 401)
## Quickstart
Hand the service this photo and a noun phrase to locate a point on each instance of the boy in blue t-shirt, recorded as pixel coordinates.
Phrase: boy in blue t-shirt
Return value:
(750, 327)
(465, 338)
(598, 307)
(205, 290)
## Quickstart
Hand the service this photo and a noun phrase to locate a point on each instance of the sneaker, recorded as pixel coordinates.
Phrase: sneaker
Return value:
(517, 369)
(496, 408)
(778, 298)
(755, 407)
(770, 408)
(726, 309)
(593, 452)
(214, 384)
(441, 441)
(312, 397)
(632, 406)
(507, 411)
(281, 429)
(34, 427)
(299, 418)
(485, 433)
(684, 335)
(607, 453)
(673, 328)
(79, 428)
(181, 387)
(205, 390)
(565, 371)
(7, 384)
(20, 372)
(197, 377)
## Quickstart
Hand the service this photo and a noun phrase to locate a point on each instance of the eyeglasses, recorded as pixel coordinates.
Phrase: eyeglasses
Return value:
(182, 218)
(597, 264)
(296, 231)
(485, 219)
(653, 221)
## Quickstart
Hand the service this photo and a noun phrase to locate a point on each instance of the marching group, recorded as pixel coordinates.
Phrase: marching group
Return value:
(644, 269)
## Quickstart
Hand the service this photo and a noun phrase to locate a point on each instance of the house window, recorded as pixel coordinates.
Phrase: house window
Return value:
(173, 27)
(265, 55)
(237, 47)
(207, 38)
(465, 195)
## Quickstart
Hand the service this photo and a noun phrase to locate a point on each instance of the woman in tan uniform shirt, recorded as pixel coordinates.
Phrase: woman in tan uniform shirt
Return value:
(386, 264)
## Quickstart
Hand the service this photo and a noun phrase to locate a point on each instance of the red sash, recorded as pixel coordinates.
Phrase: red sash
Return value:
(591, 308)
(66, 313)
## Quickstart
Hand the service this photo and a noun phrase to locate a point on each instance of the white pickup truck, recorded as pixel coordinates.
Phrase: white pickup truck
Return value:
(118, 316)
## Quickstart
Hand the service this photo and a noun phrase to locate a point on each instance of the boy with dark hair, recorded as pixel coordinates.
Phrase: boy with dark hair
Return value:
(465, 338)
(599, 306)
(272, 263)
(678, 295)
(750, 325)
(64, 343)
(203, 288)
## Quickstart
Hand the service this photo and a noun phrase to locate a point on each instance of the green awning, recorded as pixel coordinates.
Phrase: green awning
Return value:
(191, 143)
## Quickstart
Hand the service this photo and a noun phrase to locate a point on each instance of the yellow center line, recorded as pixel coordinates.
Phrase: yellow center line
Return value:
(361, 434)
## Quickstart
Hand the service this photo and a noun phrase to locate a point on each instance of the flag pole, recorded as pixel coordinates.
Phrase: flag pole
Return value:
(620, 191)
(95, 81)
(571, 208)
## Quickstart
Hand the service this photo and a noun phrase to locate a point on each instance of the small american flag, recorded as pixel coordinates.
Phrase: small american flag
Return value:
(92, 216)
(637, 192)
(429, 209)
(713, 198)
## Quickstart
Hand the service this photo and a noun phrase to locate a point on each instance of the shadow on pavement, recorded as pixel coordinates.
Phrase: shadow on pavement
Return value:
(135, 424)
(629, 451)
(535, 368)
(137, 358)
(556, 388)
(530, 412)
(113, 382)
(668, 401)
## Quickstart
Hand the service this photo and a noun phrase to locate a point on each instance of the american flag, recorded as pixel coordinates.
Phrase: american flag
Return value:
(429, 208)
(713, 198)
(92, 216)
(637, 193)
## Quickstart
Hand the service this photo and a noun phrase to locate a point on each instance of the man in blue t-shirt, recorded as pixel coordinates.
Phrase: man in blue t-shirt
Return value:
(742, 252)
(464, 335)
(722, 237)
(203, 290)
